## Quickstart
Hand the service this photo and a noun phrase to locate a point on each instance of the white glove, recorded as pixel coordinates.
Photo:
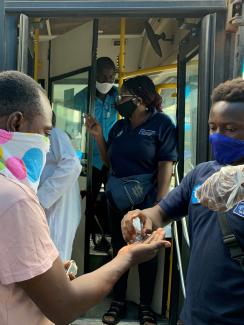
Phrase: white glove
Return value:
(224, 189)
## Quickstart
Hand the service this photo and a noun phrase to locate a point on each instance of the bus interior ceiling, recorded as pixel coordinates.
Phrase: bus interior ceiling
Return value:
(139, 53)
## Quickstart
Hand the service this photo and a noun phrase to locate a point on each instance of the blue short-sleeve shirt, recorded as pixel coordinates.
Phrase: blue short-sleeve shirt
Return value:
(105, 114)
(138, 151)
(215, 283)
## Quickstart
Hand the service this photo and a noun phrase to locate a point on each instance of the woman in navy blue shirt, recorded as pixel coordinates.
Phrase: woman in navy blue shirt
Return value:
(142, 145)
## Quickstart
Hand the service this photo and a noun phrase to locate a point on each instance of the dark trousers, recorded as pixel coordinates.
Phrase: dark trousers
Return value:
(99, 177)
(147, 270)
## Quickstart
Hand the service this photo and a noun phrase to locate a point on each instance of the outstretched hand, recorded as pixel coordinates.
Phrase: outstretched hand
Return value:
(141, 252)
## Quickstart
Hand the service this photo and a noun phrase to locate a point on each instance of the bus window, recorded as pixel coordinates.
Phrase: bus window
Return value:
(68, 118)
(191, 97)
(169, 104)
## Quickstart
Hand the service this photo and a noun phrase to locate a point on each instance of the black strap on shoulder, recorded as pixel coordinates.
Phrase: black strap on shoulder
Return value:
(230, 240)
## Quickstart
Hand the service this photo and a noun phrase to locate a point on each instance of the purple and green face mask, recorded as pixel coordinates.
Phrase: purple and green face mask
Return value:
(226, 150)
(23, 156)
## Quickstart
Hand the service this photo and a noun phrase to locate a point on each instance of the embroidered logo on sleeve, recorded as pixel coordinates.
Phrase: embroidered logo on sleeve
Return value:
(239, 209)
(194, 198)
(147, 132)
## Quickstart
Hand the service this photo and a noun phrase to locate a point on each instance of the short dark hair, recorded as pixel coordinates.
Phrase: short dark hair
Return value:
(143, 87)
(19, 93)
(105, 62)
(230, 91)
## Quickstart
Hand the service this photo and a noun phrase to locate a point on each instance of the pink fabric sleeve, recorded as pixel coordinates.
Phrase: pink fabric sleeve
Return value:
(26, 249)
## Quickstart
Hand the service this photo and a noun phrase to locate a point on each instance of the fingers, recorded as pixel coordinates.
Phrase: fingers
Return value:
(127, 227)
(157, 239)
(71, 276)
(156, 236)
(67, 264)
(90, 122)
(147, 227)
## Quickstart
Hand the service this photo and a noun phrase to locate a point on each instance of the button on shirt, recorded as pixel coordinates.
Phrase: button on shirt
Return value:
(105, 114)
(215, 282)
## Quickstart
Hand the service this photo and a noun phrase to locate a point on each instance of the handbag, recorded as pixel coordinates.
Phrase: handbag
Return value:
(127, 192)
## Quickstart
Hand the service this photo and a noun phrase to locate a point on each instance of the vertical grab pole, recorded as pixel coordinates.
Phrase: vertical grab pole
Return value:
(2, 36)
(170, 279)
(122, 52)
(177, 246)
(183, 220)
(175, 233)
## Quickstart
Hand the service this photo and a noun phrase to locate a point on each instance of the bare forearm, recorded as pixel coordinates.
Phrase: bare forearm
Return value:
(90, 288)
(157, 215)
(63, 301)
(102, 149)
(165, 169)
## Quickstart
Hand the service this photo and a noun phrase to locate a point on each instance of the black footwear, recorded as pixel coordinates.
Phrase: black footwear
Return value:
(146, 315)
(116, 311)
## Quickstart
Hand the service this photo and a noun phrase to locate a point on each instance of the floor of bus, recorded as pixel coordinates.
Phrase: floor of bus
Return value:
(94, 315)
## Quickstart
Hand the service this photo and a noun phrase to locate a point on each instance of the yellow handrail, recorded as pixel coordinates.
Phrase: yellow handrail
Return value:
(122, 52)
(149, 71)
(166, 86)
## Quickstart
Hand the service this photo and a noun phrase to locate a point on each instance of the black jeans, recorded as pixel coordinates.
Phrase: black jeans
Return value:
(99, 177)
(147, 270)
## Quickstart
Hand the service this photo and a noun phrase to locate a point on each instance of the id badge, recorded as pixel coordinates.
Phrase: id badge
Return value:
(194, 198)
(239, 209)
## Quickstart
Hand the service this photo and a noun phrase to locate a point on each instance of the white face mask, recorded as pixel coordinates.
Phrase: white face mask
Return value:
(23, 156)
(104, 87)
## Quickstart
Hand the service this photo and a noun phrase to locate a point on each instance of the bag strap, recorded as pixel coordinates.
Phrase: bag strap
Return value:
(230, 240)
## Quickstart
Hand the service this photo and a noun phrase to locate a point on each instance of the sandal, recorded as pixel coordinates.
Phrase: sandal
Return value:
(146, 315)
(116, 311)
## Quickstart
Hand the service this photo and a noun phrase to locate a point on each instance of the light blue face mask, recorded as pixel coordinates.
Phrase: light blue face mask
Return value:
(226, 150)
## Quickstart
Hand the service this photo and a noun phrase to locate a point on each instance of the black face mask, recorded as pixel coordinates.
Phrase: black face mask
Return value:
(126, 109)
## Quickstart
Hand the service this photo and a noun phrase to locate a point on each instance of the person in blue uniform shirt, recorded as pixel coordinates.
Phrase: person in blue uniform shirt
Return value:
(106, 114)
(215, 281)
(140, 150)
